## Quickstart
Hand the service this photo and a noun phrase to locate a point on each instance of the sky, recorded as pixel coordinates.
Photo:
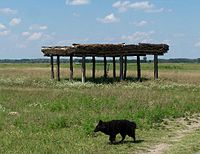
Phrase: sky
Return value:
(26, 25)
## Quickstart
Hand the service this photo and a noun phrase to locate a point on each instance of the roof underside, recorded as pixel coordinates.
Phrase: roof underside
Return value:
(106, 50)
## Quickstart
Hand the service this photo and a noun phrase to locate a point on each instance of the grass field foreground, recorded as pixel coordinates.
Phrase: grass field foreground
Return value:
(38, 115)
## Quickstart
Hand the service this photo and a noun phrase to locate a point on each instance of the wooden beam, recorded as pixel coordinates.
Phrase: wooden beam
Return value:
(71, 68)
(93, 67)
(102, 54)
(114, 68)
(105, 67)
(138, 69)
(83, 70)
(155, 67)
(52, 67)
(58, 68)
(121, 68)
(125, 66)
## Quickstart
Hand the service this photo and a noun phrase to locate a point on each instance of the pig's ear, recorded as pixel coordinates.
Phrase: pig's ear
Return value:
(100, 122)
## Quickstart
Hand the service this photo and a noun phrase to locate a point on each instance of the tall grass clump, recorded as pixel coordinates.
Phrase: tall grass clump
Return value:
(58, 123)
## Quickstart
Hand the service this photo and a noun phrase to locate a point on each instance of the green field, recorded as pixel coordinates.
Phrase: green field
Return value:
(39, 115)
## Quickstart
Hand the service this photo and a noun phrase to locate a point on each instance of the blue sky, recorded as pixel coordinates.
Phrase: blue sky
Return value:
(26, 25)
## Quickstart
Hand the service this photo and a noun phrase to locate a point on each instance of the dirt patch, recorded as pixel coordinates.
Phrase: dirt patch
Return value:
(158, 149)
(187, 126)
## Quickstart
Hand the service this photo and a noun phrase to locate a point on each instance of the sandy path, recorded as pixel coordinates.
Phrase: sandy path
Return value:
(190, 125)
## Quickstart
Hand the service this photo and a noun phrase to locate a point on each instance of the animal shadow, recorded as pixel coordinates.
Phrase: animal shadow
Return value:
(127, 142)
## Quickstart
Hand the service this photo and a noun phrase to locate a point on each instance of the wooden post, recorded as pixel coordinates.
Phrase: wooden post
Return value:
(58, 68)
(93, 67)
(121, 67)
(71, 68)
(105, 67)
(83, 69)
(52, 68)
(155, 67)
(114, 68)
(125, 66)
(138, 69)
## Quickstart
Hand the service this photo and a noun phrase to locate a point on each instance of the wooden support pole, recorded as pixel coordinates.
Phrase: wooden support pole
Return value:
(71, 68)
(138, 69)
(114, 68)
(52, 68)
(58, 68)
(121, 68)
(155, 67)
(105, 67)
(125, 66)
(83, 70)
(93, 67)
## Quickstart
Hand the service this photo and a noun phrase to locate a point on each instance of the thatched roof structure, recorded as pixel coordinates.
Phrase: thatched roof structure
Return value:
(141, 49)
(104, 50)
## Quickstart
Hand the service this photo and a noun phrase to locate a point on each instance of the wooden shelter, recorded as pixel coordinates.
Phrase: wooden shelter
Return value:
(105, 50)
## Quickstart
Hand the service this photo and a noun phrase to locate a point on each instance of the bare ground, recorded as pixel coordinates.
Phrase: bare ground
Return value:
(187, 126)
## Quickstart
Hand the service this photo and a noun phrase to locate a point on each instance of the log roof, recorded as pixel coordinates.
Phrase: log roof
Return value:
(141, 49)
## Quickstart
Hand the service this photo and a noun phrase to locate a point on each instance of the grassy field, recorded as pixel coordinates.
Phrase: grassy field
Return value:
(38, 115)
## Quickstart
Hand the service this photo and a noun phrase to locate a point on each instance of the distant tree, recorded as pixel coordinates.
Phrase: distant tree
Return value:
(145, 59)
(198, 60)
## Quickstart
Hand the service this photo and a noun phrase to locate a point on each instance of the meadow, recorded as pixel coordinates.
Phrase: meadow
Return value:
(40, 115)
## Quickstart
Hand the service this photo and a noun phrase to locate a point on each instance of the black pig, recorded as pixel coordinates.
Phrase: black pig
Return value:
(114, 127)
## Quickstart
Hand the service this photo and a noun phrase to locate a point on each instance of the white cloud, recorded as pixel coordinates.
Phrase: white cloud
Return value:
(3, 30)
(8, 11)
(77, 2)
(109, 19)
(2, 26)
(43, 27)
(38, 27)
(26, 33)
(146, 6)
(47, 36)
(167, 41)
(122, 6)
(142, 6)
(141, 23)
(139, 36)
(35, 33)
(197, 45)
(35, 36)
(4, 33)
(15, 21)
(156, 10)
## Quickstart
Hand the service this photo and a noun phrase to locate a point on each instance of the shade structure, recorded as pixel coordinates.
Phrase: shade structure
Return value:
(105, 50)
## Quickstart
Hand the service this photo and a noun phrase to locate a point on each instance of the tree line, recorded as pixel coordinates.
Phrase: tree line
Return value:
(78, 60)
